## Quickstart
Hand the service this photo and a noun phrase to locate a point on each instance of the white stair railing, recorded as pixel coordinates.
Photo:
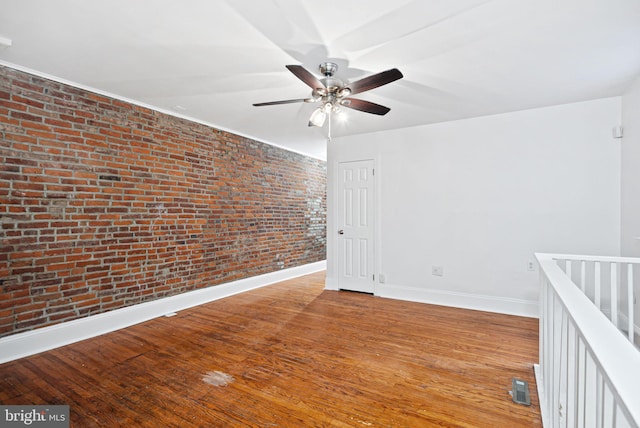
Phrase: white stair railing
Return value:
(609, 283)
(589, 372)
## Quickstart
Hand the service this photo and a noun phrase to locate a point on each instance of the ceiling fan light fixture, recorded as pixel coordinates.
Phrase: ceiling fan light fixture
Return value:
(339, 114)
(318, 117)
(344, 92)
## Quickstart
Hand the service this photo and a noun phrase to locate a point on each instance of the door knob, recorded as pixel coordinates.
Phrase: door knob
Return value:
(341, 232)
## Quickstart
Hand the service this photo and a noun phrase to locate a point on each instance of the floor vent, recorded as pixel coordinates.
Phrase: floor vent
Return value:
(520, 391)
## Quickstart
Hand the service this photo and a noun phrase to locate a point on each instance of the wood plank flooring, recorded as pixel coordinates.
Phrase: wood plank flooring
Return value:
(293, 355)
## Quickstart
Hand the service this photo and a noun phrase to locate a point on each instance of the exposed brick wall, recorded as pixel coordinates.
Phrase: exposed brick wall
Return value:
(105, 204)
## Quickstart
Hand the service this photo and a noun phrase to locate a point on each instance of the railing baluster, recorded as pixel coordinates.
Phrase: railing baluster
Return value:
(583, 276)
(556, 324)
(563, 368)
(613, 293)
(572, 375)
(630, 303)
(549, 343)
(581, 408)
(597, 285)
(599, 399)
(590, 397)
(568, 265)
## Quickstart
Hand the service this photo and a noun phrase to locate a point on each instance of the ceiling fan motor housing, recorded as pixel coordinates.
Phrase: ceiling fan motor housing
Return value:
(328, 68)
(334, 88)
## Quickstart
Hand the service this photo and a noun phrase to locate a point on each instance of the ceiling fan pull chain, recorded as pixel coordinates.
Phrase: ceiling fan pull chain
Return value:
(329, 133)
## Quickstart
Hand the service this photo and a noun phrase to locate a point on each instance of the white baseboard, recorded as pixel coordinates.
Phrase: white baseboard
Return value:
(501, 305)
(43, 339)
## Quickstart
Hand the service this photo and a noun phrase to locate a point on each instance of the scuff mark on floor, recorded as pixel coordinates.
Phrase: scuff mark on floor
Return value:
(217, 378)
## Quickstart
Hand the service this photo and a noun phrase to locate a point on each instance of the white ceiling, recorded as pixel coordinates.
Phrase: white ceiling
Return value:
(209, 60)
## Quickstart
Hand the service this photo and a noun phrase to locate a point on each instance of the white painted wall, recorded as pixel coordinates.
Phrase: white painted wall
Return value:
(631, 172)
(480, 196)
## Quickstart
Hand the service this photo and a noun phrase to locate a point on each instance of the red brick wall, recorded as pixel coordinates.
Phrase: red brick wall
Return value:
(105, 204)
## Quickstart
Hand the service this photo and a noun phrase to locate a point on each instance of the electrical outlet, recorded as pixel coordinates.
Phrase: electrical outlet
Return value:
(531, 266)
(436, 270)
(381, 278)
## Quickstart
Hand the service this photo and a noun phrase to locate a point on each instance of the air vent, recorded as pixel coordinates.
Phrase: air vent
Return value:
(520, 391)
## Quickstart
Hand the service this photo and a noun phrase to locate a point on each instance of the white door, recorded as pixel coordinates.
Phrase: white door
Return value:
(355, 226)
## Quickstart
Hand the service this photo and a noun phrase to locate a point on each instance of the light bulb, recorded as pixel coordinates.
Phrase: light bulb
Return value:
(317, 117)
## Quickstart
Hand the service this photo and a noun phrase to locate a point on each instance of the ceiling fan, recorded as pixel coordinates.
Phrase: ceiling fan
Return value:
(334, 93)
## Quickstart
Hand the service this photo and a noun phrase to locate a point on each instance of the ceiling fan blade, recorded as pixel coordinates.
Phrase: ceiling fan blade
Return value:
(306, 76)
(365, 106)
(375, 81)
(273, 103)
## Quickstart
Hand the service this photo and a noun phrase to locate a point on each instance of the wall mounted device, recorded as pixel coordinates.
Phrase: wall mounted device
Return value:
(5, 42)
(617, 131)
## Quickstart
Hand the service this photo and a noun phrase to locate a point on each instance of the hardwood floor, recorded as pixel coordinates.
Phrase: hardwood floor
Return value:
(292, 355)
